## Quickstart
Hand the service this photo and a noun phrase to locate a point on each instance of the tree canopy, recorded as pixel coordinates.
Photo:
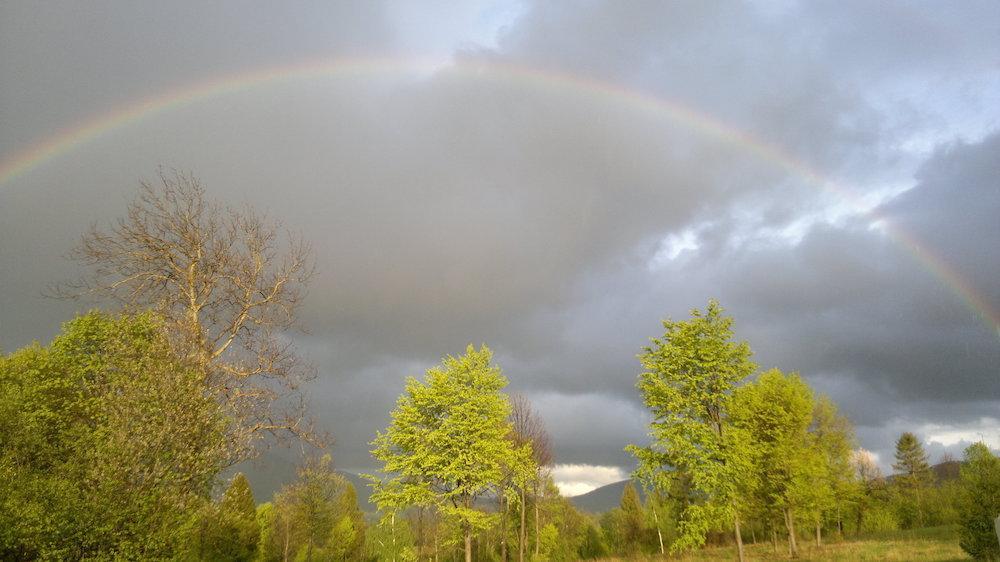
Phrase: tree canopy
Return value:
(449, 441)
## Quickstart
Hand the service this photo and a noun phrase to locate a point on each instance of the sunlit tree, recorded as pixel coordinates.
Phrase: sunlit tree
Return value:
(448, 442)
(690, 375)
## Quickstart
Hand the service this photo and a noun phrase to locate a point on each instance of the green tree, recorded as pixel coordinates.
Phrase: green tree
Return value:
(448, 442)
(347, 539)
(690, 374)
(775, 411)
(307, 510)
(391, 540)
(593, 545)
(633, 519)
(267, 542)
(913, 477)
(834, 437)
(109, 443)
(979, 503)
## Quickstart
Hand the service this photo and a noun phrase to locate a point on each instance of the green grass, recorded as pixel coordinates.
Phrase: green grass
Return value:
(934, 544)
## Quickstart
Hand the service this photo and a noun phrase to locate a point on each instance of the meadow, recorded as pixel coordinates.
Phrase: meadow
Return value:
(937, 544)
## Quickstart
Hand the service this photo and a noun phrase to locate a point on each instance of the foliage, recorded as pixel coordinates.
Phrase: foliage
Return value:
(228, 530)
(593, 544)
(980, 503)
(690, 374)
(776, 411)
(911, 463)
(317, 516)
(391, 540)
(109, 442)
(913, 477)
(834, 439)
(633, 519)
(448, 442)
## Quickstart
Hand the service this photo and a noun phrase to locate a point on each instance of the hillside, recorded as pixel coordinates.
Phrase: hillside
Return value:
(607, 497)
(604, 498)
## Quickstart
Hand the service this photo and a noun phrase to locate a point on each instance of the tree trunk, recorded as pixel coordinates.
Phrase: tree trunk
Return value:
(774, 537)
(521, 537)
(739, 537)
(537, 534)
(287, 541)
(503, 529)
(468, 544)
(819, 538)
(659, 534)
(793, 548)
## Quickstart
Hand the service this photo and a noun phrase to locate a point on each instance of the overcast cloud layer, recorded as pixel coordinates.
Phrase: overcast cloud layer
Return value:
(558, 222)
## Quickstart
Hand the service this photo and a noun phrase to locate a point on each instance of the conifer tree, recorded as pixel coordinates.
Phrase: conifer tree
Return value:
(911, 462)
(633, 519)
(913, 473)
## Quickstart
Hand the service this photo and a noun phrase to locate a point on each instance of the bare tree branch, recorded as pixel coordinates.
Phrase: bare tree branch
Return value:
(228, 285)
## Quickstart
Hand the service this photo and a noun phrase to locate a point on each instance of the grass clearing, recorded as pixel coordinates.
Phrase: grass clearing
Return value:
(939, 544)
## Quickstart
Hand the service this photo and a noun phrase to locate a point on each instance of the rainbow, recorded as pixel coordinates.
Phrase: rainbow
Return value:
(66, 140)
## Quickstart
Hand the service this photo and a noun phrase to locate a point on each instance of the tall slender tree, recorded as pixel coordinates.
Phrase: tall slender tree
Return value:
(775, 411)
(529, 429)
(834, 437)
(690, 374)
(633, 519)
(914, 473)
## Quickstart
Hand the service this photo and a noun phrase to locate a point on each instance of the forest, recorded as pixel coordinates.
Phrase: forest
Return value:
(118, 438)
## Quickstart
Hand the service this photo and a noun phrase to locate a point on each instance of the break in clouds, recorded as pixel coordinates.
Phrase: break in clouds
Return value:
(522, 194)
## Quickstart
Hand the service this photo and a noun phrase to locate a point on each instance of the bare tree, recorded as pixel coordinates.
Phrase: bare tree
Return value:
(227, 283)
(865, 466)
(529, 428)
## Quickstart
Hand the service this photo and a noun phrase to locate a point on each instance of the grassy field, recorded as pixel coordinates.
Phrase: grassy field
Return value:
(935, 544)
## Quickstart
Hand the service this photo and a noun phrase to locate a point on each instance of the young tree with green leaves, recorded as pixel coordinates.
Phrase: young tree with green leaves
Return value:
(689, 378)
(979, 503)
(834, 437)
(347, 538)
(448, 442)
(227, 530)
(776, 410)
(310, 513)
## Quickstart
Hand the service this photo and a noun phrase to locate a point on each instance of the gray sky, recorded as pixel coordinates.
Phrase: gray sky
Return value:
(553, 179)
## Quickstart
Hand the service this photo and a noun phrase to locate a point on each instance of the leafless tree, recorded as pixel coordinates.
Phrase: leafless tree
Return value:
(227, 283)
(866, 467)
(529, 428)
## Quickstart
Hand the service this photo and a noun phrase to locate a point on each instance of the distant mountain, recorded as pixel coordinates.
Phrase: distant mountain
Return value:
(608, 497)
(943, 472)
(604, 498)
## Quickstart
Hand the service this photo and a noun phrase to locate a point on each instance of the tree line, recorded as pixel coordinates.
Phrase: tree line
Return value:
(116, 437)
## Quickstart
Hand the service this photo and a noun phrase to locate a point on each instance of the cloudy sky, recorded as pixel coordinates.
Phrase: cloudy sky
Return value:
(552, 179)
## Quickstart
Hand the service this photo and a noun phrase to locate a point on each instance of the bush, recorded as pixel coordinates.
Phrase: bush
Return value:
(980, 503)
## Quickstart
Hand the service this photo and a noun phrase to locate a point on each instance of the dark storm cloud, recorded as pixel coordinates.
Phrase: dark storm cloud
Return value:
(466, 206)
